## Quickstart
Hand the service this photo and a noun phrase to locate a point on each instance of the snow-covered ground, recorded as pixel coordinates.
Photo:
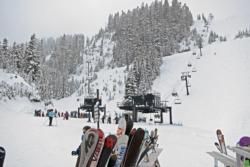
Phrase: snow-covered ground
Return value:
(219, 98)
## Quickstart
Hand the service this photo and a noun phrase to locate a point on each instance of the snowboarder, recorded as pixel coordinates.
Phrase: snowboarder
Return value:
(50, 115)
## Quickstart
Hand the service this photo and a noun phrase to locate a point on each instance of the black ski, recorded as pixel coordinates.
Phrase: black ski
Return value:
(134, 149)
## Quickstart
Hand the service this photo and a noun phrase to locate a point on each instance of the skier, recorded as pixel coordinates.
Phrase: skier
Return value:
(66, 115)
(50, 115)
(103, 119)
(109, 120)
(78, 150)
(116, 119)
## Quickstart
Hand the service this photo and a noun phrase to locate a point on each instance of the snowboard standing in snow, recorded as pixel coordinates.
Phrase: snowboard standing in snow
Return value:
(121, 127)
(78, 150)
(134, 149)
(119, 133)
(98, 149)
(109, 144)
(88, 146)
(121, 149)
(129, 126)
(2, 156)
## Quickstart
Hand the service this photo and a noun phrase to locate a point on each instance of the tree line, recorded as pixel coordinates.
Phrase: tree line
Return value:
(141, 37)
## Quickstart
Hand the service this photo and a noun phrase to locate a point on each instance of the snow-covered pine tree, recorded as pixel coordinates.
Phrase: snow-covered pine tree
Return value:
(4, 54)
(32, 60)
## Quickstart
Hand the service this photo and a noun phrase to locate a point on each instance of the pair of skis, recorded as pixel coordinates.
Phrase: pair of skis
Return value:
(220, 145)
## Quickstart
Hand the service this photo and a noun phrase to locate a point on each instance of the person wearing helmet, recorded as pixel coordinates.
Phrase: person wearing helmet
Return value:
(244, 142)
(50, 115)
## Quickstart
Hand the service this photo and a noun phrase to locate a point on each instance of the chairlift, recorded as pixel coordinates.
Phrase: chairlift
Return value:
(194, 69)
(157, 116)
(177, 101)
(174, 93)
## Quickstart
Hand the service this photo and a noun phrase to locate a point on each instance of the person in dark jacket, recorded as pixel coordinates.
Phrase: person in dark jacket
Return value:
(66, 115)
(103, 119)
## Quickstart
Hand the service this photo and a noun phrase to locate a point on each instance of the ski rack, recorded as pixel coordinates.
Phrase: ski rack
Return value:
(223, 158)
(228, 160)
(240, 152)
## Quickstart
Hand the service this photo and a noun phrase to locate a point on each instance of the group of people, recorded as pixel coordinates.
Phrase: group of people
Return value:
(116, 119)
(51, 114)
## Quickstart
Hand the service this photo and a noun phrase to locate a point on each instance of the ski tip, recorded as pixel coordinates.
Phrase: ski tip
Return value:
(218, 131)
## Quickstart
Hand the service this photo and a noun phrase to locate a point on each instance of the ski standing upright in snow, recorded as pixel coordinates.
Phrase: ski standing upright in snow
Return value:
(88, 147)
(98, 149)
(78, 150)
(221, 140)
(120, 133)
(109, 144)
(133, 149)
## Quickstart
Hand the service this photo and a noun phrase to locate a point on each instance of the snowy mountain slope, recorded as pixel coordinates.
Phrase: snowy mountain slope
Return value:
(12, 85)
(220, 89)
(110, 83)
(229, 27)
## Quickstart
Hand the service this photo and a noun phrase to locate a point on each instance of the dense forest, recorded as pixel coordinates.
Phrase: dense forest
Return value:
(141, 37)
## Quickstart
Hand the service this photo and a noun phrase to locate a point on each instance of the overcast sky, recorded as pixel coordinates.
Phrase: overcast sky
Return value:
(20, 18)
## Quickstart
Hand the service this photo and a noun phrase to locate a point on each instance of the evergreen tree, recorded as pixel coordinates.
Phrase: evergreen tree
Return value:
(32, 60)
(4, 54)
